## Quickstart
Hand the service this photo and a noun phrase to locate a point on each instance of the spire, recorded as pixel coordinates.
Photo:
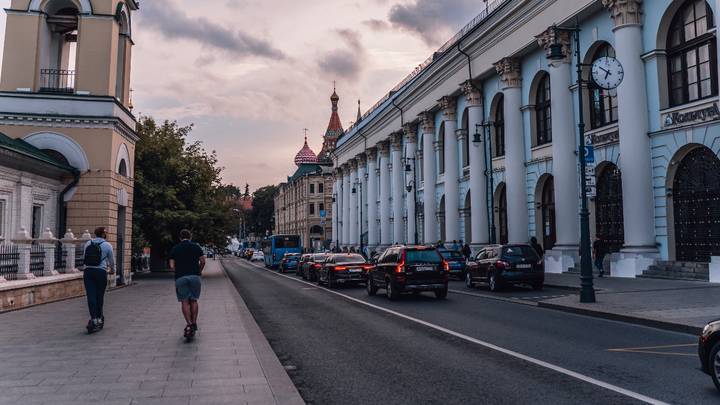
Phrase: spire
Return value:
(334, 129)
(359, 116)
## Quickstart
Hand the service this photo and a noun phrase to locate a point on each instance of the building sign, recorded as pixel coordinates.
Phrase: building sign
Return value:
(590, 184)
(708, 113)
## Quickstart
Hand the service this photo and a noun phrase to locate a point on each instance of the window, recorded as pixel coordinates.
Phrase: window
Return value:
(312, 209)
(122, 170)
(543, 115)
(499, 127)
(312, 188)
(441, 150)
(321, 207)
(603, 104)
(321, 188)
(692, 54)
(2, 218)
(36, 221)
(466, 143)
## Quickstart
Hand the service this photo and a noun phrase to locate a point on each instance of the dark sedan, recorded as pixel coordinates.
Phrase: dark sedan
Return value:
(500, 265)
(310, 267)
(345, 268)
(709, 351)
(290, 262)
(456, 262)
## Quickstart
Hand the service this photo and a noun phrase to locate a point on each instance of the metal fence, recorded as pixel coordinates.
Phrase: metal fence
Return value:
(60, 258)
(57, 81)
(9, 257)
(79, 255)
(37, 259)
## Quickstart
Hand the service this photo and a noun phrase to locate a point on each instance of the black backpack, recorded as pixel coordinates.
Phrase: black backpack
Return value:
(93, 255)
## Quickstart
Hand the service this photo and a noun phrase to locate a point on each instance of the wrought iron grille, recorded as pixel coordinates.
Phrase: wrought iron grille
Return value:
(609, 209)
(696, 206)
(9, 261)
(37, 259)
(57, 81)
(60, 257)
(79, 255)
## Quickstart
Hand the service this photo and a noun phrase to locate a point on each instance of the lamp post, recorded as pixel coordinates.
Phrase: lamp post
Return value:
(587, 291)
(412, 187)
(489, 181)
(357, 189)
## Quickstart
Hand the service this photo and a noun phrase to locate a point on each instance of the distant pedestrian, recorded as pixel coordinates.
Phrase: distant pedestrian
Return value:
(466, 251)
(187, 259)
(538, 249)
(98, 259)
(599, 248)
(455, 246)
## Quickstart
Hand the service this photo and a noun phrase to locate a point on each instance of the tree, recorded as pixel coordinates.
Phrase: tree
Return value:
(177, 185)
(261, 220)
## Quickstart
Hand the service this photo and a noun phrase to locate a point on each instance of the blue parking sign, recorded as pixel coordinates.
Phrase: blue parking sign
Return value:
(589, 154)
(322, 214)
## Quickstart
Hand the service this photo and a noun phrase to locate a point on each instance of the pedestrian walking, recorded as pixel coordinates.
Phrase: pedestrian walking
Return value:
(535, 245)
(187, 260)
(98, 259)
(466, 251)
(599, 252)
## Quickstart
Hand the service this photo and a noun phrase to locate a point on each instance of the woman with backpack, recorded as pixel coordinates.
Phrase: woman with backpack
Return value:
(97, 259)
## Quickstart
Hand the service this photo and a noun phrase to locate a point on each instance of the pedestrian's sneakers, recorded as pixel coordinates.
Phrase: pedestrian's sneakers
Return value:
(93, 326)
(101, 322)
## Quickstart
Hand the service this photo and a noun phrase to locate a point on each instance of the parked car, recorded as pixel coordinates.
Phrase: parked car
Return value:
(414, 269)
(501, 265)
(289, 262)
(257, 256)
(709, 351)
(456, 260)
(209, 253)
(312, 265)
(343, 268)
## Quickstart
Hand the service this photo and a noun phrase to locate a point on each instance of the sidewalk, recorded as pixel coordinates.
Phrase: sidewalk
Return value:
(140, 357)
(683, 306)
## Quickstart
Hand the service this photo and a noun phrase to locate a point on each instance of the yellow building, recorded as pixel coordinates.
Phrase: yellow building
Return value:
(65, 91)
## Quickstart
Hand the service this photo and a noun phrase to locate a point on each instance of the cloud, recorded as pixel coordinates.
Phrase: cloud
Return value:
(174, 23)
(376, 25)
(433, 20)
(344, 62)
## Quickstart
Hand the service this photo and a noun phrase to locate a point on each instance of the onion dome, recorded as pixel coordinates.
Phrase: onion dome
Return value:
(306, 155)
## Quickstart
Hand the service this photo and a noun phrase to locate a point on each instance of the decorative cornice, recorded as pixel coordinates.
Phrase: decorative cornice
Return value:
(410, 131)
(361, 159)
(396, 141)
(428, 122)
(553, 35)
(509, 71)
(472, 94)
(60, 122)
(625, 12)
(371, 153)
(384, 148)
(448, 105)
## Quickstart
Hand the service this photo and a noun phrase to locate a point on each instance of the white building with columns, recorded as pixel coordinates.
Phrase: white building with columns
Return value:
(481, 142)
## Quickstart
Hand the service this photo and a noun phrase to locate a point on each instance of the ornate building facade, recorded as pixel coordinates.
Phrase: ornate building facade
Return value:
(497, 155)
(303, 205)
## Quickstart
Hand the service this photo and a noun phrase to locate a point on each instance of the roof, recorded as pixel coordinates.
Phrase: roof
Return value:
(26, 150)
(310, 169)
(305, 155)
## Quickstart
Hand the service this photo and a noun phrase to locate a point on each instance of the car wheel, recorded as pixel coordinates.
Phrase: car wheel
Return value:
(714, 364)
(468, 281)
(390, 291)
(537, 286)
(319, 279)
(493, 282)
(441, 294)
(371, 287)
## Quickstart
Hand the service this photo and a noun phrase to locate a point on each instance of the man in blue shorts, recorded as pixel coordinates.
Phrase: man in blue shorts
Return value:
(187, 260)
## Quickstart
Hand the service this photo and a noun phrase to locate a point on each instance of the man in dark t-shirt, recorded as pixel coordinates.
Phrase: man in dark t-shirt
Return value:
(599, 252)
(187, 260)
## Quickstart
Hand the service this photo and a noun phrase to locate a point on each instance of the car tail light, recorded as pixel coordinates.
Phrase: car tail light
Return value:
(400, 268)
(368, 266)
(316, 266)
(339, 268)
(500, 264)
(446, 265)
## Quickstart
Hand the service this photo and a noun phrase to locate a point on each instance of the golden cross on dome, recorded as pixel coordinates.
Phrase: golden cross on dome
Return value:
(305, 129)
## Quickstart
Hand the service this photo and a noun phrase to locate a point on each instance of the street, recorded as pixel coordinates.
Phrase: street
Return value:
(466, 349)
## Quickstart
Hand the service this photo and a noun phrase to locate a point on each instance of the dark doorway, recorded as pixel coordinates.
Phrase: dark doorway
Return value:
(121, 245)
(501, 209)
(441, 217)
(547, 213)
(696, 192)
(609, 208)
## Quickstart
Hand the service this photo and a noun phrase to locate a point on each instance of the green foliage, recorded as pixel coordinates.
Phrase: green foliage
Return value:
(177, 185)
(263, 210)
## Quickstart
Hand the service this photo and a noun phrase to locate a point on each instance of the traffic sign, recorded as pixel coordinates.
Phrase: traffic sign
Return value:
(322, 214)
(589, 154)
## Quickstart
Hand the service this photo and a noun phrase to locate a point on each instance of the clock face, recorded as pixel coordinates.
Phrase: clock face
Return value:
(607, 72)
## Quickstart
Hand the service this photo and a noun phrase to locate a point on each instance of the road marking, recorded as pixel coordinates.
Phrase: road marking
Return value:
(541, 363)
(653, 350)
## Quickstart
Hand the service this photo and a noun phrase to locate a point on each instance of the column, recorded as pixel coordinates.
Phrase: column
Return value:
(478, 182)
(398, 188)
(452, 188)
(337, 209)
(385, 229)
(564, 147)
(430, 174)
(361, 197)
(515, 173)
(68, 245)
(640, 250)
(372, 187)
(48, 243)
(24, 244)
(346, 206)
(410, 131)
(353, 203)
(334, 212)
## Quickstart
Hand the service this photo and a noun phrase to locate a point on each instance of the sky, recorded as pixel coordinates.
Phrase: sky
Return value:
(251, 75)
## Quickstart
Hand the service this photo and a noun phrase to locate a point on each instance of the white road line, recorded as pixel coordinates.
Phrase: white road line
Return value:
(541, 363)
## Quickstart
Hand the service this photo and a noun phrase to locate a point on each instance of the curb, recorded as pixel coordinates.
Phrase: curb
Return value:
(280, 383)
(653, 323)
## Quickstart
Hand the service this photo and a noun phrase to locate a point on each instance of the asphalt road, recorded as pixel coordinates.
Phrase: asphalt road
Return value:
(422, 350)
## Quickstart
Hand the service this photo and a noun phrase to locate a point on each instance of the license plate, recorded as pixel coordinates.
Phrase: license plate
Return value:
(355, 270)
(524, 266)
(425, 268)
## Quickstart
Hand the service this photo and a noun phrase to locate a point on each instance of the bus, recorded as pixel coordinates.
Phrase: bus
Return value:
(275, 247)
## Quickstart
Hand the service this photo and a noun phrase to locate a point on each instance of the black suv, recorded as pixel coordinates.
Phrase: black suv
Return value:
(500, 265)
(343, 268)
(409, 269)
(311, 266)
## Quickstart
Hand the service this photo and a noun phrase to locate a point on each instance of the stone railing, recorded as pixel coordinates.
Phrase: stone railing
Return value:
(25, 258)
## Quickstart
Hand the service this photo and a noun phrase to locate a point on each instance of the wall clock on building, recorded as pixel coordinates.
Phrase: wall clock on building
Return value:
(607, 72)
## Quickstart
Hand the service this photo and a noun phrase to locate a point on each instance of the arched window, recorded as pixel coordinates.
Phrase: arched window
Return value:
(466, 142)
(499, 127)
(122, 169)
(603, 104)
(692, 54)
(543, 115)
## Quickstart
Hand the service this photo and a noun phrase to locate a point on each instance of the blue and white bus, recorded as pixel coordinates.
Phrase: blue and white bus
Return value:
(275, 247)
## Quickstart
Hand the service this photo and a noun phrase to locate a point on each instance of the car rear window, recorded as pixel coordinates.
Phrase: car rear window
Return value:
(320, 258)
(349, 259)
(520, 251)
(423, 256)
(452, 254)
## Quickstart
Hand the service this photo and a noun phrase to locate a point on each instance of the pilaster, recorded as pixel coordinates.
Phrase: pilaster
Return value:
(509, 71)
(625, 12)
(429, 170)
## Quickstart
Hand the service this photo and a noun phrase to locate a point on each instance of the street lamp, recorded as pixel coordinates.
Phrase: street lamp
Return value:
(489, 181)
(412, 187)
(587, 291)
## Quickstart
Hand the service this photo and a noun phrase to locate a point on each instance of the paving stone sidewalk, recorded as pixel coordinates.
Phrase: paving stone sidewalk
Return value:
(684, 306)
(140, 357)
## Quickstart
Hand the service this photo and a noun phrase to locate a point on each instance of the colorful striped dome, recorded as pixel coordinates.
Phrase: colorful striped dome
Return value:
(306, 155)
